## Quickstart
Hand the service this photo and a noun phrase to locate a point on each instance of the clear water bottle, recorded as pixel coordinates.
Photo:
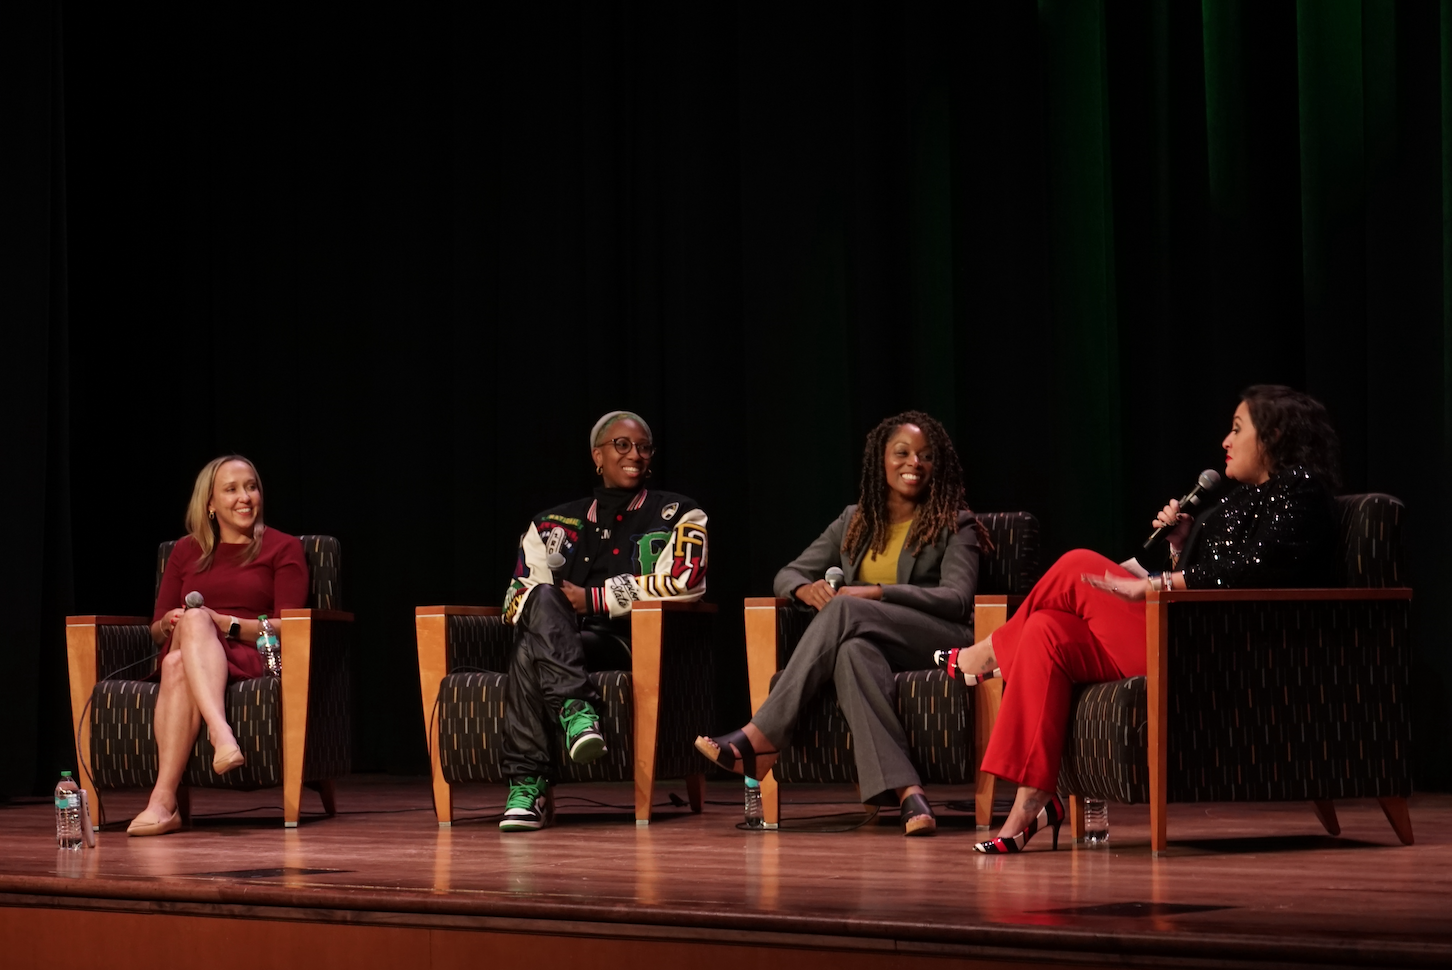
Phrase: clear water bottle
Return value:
(270, 647)
(1096, 821)
(67, 813)
(754, 817)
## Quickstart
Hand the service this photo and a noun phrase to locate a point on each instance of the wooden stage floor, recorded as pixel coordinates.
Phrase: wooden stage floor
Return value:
(383, 885)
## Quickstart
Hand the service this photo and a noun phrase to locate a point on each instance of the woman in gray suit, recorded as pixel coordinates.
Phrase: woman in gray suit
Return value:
(908, 554)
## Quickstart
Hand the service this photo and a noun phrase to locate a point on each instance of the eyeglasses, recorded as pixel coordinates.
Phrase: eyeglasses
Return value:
(623, 446)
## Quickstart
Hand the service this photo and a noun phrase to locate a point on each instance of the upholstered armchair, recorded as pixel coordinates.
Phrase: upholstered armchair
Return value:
(1263, 694)
(293, 730)
(652, 712)
(947, 725)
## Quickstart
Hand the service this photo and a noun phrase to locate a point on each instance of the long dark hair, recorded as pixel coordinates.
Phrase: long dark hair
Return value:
(1294, 429)
(869, 528)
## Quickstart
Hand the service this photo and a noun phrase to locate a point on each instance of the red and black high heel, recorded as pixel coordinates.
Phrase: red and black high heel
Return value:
(1052, 815)
(949, 659)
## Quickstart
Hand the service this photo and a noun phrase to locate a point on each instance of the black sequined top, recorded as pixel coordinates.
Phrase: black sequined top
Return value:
(1280, 534)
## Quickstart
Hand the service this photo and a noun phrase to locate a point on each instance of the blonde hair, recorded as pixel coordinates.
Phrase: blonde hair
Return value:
(202, 527)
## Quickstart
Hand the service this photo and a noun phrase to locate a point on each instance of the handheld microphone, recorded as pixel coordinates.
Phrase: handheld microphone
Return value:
(835, 576)
(194, 600)
(1209, 482)
(556, 562)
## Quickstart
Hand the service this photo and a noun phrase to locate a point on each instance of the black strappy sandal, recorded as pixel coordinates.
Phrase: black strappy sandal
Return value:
(917, 816)
(726, 758)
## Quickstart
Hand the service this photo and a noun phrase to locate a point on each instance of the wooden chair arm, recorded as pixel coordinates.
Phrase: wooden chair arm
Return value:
(668, 606)
(327, 616)
(108, 621)
(1280, 595)
(457, 611)
(761, 645)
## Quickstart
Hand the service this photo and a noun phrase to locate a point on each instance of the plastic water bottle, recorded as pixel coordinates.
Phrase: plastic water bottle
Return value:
(67, 813)
(1096, 821)
(270, 647)
(754, 817)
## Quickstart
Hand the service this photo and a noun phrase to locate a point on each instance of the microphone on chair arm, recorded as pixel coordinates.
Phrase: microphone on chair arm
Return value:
(1209, 481)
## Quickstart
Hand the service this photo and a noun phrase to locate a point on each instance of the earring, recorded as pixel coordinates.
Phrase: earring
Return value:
(600, 470)
(212, 514)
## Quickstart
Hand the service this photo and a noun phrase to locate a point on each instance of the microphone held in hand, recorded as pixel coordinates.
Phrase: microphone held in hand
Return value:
(556, 562)
(835, 576)
(1208, 483)
(194, 600)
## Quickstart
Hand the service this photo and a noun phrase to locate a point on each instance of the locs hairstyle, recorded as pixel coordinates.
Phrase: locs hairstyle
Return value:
(869, 527)
(1294, 429)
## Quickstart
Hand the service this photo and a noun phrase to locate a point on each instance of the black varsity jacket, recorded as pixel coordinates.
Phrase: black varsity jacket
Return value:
(650, 545)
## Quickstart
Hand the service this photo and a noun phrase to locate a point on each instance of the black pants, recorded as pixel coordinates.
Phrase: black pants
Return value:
(552, 653)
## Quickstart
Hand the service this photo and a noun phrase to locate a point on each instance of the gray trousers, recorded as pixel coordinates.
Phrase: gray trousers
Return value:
(858, 644)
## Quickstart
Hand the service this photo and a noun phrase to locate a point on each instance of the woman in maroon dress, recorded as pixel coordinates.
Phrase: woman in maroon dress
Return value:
(242, 570)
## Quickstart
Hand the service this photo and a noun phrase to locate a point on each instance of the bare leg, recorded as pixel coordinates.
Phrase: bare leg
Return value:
(206, 668)
(175, 722)
(1026, 805)
(979, 658)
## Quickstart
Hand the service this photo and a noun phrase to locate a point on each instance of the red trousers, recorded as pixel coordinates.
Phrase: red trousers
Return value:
(1065, 633)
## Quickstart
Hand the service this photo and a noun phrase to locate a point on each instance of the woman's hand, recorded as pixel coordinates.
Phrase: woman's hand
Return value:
(167, 623)
(1170, 517)
(862, 592)
(816, 595)
(1125, 587)
(575, 594)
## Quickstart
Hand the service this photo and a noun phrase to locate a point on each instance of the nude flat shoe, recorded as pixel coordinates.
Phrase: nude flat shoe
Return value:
(139, 828)
(225, 759)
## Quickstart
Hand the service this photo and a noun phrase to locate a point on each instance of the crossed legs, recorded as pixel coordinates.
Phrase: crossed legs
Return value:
(193, 690)
(1065, 633)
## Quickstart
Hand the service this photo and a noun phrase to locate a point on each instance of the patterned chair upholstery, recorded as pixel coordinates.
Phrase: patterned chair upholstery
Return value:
(114, 714)
(1269, 695)
(945, 731)
(657, 707)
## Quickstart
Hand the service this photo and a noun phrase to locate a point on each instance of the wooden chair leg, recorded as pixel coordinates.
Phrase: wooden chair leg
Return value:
(1400, 819)
(1076, 818)
(770, 801)
(326, 792)
(297, 638)
(1326, 812)
(987, 697)
(645, 658)
(696, 791)
(431, 626)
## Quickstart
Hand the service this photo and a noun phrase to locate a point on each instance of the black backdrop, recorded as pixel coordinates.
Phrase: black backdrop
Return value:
(403, 259)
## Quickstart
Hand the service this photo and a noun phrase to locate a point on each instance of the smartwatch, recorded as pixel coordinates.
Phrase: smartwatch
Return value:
(234, 631)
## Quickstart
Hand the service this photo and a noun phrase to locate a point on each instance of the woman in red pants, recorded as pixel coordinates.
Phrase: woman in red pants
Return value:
(1084, 621)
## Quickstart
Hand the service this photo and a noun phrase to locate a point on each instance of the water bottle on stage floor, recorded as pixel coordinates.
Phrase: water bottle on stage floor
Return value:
(1096, 821)
(67, 813)
(755, 819)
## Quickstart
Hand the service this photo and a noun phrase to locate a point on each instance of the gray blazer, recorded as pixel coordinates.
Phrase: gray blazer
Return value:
(939, 581)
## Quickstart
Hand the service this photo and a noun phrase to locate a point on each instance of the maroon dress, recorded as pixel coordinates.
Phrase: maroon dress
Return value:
(276, 580)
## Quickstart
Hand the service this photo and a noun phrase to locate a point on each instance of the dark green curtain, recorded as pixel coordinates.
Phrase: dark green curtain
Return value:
(404, 259)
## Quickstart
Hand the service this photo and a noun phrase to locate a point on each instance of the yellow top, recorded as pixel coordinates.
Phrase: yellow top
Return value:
(883, 569)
